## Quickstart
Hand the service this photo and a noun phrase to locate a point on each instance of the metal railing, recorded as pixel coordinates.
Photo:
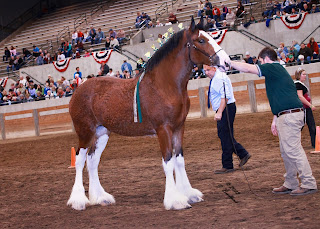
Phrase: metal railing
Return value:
(62, 33)
(34, 79)
(163, 8)
(310, 34)
(256, 38)
(80, 20)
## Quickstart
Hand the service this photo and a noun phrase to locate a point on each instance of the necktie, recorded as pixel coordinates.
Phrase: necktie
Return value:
(209, 94)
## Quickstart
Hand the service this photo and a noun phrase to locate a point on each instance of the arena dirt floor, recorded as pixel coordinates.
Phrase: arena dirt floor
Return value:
(36, 182)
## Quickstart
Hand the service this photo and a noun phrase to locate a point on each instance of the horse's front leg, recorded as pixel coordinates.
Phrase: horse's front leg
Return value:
(182, 181)
(173, 199)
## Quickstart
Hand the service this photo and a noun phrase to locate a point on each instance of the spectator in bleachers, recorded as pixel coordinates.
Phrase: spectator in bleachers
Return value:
(208, 4)
(60, 93)
(248, 59)
(110, 73)
(40, 59)
(74, 37)
(314, 9)
(114, 43)
(140, 63)
(121, 36)
(23, 81)
(288, 5)
(138, 20)
(49, 95)
(77, 72)
(294, 11)
(211, 25)
(79, 46)
(36, 51)
(112, 33)
(68, 51)
(283, 49)
(86, 54)
(46, 89)
(6, 55)
(107, 44)
(13, 51)
(314, 48)
(230, 18)
(283, 57)
(172, 18)
(158, 24)
(277, 15)
(296, 46)
(86, 36)
(104, 69)
(224, 12)
(126, 74)
(305, 8)
(18, 62)
(276, 7)
(80, 35)
(61, 56)
(200, 8)
(39, 96)
(11, 64)
(26, 54)
(92, 34)
(216, 13)
(99, 37)
(240, 9)
(208, 12)
(118, 75)
(47, 59)
(68, 91)
(269, 9)
(126, 67)
(252, 20)
(305, 52)
(291, 60)
(32, 91)
(145, 19)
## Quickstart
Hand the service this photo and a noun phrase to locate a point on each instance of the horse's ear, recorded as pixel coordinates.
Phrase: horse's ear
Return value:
(192, 25)
(200, 25)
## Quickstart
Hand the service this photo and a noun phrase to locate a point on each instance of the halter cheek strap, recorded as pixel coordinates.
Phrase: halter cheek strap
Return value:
(203, 52)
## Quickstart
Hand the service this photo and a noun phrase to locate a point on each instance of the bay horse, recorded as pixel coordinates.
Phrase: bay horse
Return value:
(104, 105)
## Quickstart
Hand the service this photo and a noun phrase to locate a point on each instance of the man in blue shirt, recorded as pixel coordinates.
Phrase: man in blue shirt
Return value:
(287, 121)
(222, 100)
(126, 67)
(77, 72)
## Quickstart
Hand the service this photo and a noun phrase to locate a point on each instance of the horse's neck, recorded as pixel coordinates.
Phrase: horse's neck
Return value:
(177, 67)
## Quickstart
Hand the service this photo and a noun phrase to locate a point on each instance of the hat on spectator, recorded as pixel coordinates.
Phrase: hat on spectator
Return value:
(290, 55)
(247, 53)
(110, 30)
(254, 57)
(301, 57)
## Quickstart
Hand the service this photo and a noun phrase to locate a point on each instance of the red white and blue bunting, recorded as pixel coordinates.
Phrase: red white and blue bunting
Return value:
(62, 65)
(218, 35)
(3, 82)
(102, 56)
(293, 21)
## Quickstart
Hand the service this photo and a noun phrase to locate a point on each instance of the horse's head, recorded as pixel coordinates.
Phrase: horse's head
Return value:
(203, 49)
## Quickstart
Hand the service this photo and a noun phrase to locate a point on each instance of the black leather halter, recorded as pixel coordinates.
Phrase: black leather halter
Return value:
(203, 52)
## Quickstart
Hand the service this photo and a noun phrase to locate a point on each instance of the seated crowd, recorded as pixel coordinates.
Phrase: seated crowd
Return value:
(26, 90)
(277, 9)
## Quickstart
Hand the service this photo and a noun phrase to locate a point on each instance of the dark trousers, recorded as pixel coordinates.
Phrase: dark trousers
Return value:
(311, 125)
(226, 140)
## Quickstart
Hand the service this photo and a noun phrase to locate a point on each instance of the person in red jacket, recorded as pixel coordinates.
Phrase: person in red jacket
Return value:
(314, 48)
(216, 13)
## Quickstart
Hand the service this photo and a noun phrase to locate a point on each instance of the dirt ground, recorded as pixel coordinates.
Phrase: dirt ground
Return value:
(35, 182)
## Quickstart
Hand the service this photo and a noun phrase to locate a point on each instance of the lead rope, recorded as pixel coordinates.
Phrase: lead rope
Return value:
(234, 147)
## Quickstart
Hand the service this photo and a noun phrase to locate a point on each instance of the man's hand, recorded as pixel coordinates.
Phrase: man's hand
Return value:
(218, 116)
(274, 127)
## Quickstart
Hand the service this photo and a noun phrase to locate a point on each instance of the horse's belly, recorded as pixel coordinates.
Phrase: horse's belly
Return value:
(131, 129)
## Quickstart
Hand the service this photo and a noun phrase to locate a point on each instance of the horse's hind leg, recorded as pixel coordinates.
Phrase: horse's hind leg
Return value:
(182, 181)
(97, 194)
(173, 199)
(78, 199)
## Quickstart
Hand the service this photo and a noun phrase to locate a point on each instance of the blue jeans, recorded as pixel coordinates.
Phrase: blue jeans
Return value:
(226, 142)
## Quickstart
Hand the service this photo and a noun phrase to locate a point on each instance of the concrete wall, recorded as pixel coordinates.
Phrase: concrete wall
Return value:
(87, 66)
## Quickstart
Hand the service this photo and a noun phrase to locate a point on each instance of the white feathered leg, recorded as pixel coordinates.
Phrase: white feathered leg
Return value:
(97, 194)
(173, 199)
(182, 182)
(78, 199)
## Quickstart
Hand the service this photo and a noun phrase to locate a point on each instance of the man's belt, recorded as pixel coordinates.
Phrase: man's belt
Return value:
(290, 111)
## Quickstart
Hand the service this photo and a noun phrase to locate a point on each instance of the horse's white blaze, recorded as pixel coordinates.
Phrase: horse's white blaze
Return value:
(223, 56)
(78, 199)
(173, 199)
(97, 194)
(182, 182)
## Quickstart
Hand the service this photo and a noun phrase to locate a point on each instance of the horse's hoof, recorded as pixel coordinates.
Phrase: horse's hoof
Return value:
(195, 199)
(106, 203)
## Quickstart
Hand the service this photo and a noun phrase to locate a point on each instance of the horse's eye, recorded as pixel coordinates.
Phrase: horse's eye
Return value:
(201, 41)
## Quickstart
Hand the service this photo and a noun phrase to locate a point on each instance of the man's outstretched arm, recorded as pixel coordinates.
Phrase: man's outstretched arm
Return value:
(244, 67)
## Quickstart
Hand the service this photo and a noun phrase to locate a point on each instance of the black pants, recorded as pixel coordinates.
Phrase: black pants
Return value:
(311, 125)
(226, 140)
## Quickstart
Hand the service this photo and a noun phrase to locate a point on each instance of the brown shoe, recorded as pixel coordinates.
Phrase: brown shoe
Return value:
(281, 190)
(244, 160)
(223, 170)
(303, 191)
